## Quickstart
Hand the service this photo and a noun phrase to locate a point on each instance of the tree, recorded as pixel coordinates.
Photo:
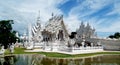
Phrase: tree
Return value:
(7, 35)
(116, 35)
(111, 36)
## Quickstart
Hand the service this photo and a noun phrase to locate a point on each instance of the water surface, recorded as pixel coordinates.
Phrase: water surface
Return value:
(40, 60)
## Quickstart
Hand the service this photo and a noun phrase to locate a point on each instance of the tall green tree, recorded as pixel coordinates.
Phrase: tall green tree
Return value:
(7, 35)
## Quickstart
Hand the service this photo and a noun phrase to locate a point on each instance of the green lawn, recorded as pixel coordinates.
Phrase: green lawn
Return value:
(60, 55)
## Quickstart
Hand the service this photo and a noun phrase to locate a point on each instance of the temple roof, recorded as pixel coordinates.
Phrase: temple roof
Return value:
(55, 24)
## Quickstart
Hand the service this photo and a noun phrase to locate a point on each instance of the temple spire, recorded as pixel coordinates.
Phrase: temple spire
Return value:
(38, 23)
(82, 25)
(29, 32)
(52, 14)
(88, 24)
(38, 18)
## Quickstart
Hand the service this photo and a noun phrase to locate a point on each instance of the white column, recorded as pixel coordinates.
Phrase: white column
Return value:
(29, 33)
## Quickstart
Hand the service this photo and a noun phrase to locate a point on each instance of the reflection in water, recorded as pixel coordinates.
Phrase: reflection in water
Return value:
(8, 60)
(40, 60)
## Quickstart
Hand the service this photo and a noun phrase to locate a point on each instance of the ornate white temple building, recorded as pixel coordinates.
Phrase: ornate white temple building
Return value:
(55, 29)
(54, 35)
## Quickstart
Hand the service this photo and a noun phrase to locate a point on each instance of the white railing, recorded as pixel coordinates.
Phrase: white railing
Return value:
(80, 48)
(86, 48)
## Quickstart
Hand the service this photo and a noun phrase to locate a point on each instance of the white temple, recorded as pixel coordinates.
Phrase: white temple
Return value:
(54, 35)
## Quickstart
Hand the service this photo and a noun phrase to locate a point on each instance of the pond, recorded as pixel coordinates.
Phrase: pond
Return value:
(41, 60)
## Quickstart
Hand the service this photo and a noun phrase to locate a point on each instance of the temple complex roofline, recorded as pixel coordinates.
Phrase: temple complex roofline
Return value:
(85, 31)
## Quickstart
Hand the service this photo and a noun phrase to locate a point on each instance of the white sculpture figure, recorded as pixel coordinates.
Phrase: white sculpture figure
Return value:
(72, 42)
(92, 44)
(30, 45)
(99, 43)
(83, 43)
(2, 51)
(12, 48)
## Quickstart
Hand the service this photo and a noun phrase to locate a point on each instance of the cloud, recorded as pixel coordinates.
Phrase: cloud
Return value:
(85, 8)
(72, 23)
(114, 27)
(116, 9)
(24, 12)
(88, 7)
(103, 15)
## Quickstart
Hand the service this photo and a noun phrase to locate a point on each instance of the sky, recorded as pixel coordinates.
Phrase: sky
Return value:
(103, 15)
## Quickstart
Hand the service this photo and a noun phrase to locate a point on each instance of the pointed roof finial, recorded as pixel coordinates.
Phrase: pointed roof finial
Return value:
(82, 23)
(52, 14)
(39, 14)
(38, 23)
(38, 18)
(87, 23)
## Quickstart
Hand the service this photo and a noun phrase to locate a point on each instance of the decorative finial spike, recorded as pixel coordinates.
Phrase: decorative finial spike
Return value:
(39, 14)
(52, 14)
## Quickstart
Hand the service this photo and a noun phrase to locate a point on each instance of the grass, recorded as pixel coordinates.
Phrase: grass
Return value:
(19, 51)
(58, 55)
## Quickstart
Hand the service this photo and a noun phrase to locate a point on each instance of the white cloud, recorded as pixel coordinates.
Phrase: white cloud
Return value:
(88, 7)
(26, 11)
(46, 7)
(72, 23)
(116, 8)
(114, 27)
